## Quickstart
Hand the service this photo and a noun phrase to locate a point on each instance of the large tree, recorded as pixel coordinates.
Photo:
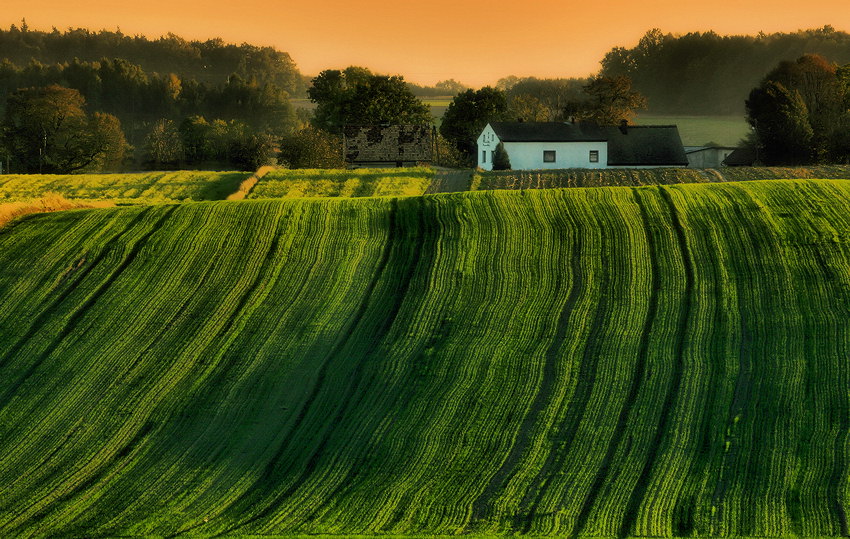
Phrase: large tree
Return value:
(779, 117)
(46, 129)
(356, 96)
(800, 113)
(607, 101)
(467, 115)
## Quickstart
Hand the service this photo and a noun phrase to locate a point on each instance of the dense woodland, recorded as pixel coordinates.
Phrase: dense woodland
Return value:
(706, 73)
(211, 61)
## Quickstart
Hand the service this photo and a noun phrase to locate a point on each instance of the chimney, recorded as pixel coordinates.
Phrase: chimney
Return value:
(624, 127)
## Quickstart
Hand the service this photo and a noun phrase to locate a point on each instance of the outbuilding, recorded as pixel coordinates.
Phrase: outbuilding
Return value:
(707, 156)
(550, 145)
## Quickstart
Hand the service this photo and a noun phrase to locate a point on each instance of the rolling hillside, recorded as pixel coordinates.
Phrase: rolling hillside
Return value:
(663, 361)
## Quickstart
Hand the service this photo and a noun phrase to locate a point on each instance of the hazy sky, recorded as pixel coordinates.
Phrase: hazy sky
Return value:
(474, 41)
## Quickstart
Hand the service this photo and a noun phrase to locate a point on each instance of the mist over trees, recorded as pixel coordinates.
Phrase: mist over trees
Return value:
(705, 73)
(210, 61)
(240, 92)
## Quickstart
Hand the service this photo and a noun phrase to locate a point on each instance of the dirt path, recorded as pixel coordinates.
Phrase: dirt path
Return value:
(450, 180)
(249, 183)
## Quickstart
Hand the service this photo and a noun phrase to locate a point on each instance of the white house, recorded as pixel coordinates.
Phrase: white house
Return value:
(544, 145)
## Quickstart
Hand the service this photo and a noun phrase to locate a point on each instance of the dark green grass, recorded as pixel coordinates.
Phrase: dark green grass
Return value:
(650, 361)
(700, 130)
(363, 182)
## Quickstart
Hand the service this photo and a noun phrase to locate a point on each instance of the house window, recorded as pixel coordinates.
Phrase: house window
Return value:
(548, 156)
(594, 156)
(484, 156)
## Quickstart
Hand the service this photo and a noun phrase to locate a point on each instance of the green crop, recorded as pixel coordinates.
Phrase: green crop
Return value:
(149, 187)
(300, 183)
(652, 361)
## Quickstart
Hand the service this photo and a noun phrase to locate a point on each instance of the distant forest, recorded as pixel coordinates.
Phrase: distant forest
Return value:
(211, 61)
(705, 73)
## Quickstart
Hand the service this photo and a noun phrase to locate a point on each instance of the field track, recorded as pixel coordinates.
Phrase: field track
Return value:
(654, 361)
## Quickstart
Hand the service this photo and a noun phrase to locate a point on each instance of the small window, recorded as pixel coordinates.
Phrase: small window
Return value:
(484, 156)
(548, 156)
(594, 156)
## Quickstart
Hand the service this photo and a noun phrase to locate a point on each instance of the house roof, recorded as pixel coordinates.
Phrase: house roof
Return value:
(633, 145)
(547, 132)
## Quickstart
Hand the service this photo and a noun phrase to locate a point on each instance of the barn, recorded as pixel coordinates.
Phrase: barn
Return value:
(547, 145)
(383, 146)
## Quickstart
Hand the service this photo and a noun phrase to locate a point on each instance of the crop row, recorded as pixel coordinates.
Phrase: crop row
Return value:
(655, 361)
(547, 179)
(302, 183)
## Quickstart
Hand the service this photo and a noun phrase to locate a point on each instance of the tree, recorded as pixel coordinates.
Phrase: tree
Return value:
(609, 101)
(252, 151)
(311, 148)
(816, 80)
(163, 146)
(800, 112)
(501, 160)
(467, 115)
(356, 96)
(46, 129)
(543, 100)
(779, 117)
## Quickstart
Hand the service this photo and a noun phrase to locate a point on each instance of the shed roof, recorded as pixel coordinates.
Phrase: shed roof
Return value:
(741, 157)
(633, 145)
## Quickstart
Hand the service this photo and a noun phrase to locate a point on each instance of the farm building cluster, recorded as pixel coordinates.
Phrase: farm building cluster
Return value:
(541, 145)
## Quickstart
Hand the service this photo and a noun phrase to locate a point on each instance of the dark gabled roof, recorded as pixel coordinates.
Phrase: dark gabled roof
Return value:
(634, 145)
(547, 132)
(387, 143)
(741, 157)
(645, 145)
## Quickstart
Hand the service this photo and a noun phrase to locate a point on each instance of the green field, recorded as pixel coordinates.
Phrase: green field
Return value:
(155, 187)
(654, 361)
(623, 177)
(364, 182)
(700, 130)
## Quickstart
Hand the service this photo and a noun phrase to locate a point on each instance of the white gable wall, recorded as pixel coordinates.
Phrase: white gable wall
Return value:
(529, 155)
(487, 142)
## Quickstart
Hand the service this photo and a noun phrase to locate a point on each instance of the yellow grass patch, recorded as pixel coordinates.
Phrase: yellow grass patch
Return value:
(50, 202)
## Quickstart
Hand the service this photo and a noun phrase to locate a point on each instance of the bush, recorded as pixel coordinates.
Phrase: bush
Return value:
(501, 160)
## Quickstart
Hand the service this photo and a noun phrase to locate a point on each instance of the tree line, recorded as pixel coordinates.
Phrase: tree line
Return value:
(143, 102)
(210, 61)
(706, 73)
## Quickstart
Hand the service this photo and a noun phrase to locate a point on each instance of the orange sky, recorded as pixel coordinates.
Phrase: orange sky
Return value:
(474, 41)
